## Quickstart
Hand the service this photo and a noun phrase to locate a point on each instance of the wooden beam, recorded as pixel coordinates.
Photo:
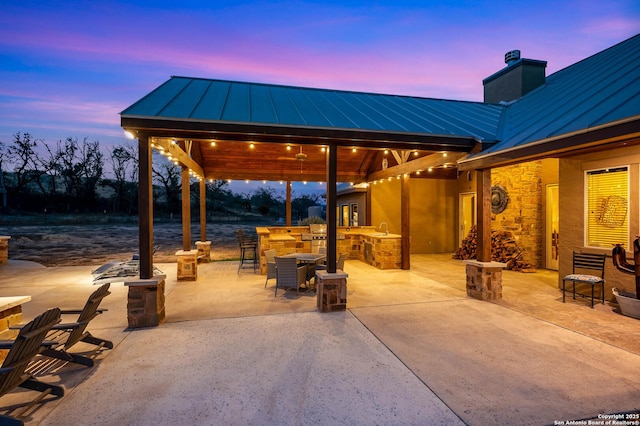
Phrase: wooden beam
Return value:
(419, 164)
(294, 176)
(405, 221)
(145, 207)
(178, 154)
(483, 191)
(186, 209)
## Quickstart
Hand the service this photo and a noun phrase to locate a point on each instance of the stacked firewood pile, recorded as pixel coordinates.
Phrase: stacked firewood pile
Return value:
(503, 249)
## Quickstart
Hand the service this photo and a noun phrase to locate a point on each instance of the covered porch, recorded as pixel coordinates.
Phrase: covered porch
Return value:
(412, 343)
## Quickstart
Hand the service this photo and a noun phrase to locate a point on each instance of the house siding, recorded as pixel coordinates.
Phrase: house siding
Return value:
(572, 225)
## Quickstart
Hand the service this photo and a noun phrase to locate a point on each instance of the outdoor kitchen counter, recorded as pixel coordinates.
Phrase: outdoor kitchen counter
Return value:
(365, 243)
(284, 239)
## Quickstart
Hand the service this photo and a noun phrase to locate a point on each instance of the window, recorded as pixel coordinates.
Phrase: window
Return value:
(607, 198)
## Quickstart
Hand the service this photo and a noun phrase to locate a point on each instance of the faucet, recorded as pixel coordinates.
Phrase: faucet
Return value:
(386, 227)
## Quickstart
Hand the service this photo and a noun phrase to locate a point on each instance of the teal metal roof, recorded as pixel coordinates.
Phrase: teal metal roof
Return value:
(601, 89)
(220, 101)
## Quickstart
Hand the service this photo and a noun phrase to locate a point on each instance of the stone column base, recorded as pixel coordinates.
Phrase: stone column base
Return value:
(204, 251)
(187, 265)
(484, 279)
(331, 291)
(4, 250)
(145, 302)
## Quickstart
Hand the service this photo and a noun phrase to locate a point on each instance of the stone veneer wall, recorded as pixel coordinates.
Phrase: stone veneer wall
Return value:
(524, 215)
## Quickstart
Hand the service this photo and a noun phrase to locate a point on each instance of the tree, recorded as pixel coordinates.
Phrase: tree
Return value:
(217, 194)
(22, 155)
(170, 177)
(300, 205)
(266, 201)
(3, 190)
(80, 168)
(124, 164)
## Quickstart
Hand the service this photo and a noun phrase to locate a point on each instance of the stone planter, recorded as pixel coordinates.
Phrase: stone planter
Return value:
(629, 304)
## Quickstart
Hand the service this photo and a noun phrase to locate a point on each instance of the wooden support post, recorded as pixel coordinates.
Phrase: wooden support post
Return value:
(145, 207)
(405, 221)
(288, 204)
(483, 189)
(186, 209)
(332, 228)
(203, 210)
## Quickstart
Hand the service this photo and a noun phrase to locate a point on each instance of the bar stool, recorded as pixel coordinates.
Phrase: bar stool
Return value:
(247, 245)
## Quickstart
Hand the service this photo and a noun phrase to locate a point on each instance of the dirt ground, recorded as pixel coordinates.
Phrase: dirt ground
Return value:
(96, 244)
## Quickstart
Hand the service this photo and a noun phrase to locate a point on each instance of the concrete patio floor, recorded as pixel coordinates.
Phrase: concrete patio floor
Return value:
(412, 348)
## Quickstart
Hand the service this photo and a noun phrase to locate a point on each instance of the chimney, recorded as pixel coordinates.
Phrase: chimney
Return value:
(518, 78)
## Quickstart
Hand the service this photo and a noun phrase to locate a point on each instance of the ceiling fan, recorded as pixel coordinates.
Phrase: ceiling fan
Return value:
(301, 157)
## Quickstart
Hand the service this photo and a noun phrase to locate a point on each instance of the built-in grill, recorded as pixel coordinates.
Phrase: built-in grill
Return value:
(318, 236)
(316, 232)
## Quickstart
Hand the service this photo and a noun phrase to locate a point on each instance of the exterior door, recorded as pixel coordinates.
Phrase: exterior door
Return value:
(552, 231)
(467, 214)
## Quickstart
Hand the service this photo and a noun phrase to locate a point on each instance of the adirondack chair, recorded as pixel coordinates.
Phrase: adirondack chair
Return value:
(69, 333)
(22, 350)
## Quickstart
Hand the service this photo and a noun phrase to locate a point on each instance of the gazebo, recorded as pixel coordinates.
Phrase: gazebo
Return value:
(217, 129)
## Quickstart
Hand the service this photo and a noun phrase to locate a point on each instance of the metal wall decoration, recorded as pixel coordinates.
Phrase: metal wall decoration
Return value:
(499, 199)
(613, 211)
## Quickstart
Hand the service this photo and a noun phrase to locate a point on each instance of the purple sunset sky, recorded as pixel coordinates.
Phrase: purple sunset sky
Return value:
(68, 68)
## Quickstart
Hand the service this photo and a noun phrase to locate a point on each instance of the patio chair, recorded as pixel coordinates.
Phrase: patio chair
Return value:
(270, 255)
(339, 263)
(289, 274)
(68, 334)
(248, 250)
(22, 350)
(583, 262)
